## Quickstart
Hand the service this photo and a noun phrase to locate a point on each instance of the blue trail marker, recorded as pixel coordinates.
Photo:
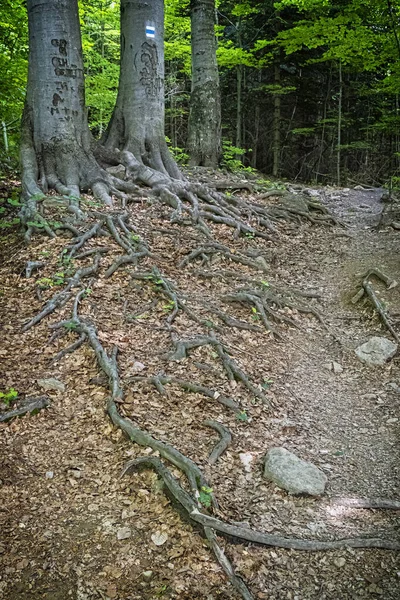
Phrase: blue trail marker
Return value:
(150, 31)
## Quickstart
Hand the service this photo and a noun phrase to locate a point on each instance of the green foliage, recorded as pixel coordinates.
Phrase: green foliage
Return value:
(242, 416)
(231, 158)
(169, 306)
(8, 397)
(70, 325)
(100, 43)
(205, 496)
(179, 154)
(13, 69)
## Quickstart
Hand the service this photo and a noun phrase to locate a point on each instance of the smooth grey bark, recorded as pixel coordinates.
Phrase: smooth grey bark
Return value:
(204, 137)
(56, 142)
(137, 124)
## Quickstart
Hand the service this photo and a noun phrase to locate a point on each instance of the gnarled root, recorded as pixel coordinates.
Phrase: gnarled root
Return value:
(369, 291)
(243, 533)
(159, 381)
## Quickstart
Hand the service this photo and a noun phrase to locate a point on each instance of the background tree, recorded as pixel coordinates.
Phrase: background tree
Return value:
(13, 67)
(204, 138)
(280, 82)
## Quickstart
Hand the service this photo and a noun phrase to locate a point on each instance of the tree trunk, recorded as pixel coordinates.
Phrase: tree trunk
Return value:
(204, 138)
(276, 127)
(239, 79)
(137, 124)
(55, 139)
(339, 126)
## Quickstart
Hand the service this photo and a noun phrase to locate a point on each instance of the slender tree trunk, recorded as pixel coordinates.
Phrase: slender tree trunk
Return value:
(137, 124)
(339, 125)
(56, 144)
(204, 137)
(239, 112)
(276, 126)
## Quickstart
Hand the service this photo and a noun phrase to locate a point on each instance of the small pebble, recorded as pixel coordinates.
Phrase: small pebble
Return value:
(340, 562)
(124, 533)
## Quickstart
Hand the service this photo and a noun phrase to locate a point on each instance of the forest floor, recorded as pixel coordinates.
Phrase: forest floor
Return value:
(72, 528)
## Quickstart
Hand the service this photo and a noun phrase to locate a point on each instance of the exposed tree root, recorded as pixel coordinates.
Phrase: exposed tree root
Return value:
(233, 371)
(226, 439)
(178, 301)
(31, 266)
(204, 204)
(301, 206)
(74, 346)
(60, 298)
(160, 380)
(236, 581)
(263, 300)
(210, 249)
(30, 405)
(368, 290)
(174, 489)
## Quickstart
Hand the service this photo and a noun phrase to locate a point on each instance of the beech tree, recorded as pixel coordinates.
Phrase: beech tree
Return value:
(204, 137)
(56, 144)
(137, 123)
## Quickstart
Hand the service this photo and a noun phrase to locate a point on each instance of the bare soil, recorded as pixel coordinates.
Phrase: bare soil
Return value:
(63, 504)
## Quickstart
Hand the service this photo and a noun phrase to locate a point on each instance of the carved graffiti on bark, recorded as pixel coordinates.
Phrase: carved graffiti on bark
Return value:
(61, 45)
(149, 76)
(63, 68)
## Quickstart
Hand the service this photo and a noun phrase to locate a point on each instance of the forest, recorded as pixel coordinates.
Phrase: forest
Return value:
(199, 308)
(309, 89)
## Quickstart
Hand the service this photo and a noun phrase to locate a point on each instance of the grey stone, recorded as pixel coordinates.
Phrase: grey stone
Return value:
(51, 384)
(118, 171)
(337, 367)
(124, 533)
(293, 474)
(396, 225)
(377, 351)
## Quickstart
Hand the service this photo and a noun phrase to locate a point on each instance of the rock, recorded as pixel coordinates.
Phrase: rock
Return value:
(337, 368)
(51, 384)
(394, 386)
(137, 367)
(159, 538)
(294, 202)
(246, 458)
(147, 575)
(119, 171)
(377, 351)
(124, 533)
(293, 474)
(49, 474)
(340, 562)
(396, 225)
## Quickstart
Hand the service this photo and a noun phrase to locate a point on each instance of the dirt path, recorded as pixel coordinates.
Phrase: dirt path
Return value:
(70, 528)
